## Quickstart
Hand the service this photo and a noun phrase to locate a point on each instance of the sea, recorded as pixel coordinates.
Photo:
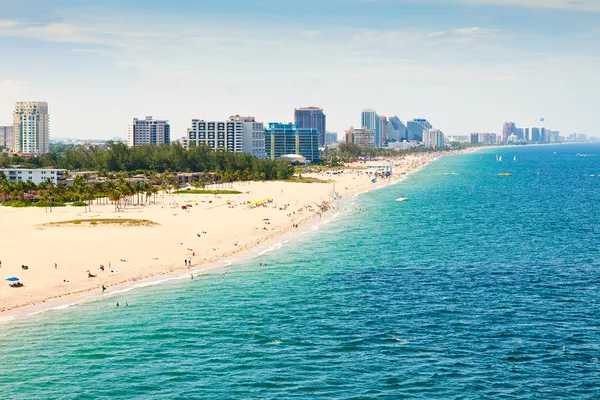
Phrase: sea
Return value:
(478, 286)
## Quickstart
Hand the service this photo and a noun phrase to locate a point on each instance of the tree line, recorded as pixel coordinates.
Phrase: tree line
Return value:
(118, 157)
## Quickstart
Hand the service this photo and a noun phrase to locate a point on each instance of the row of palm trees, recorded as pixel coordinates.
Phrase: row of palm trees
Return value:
(117, 189)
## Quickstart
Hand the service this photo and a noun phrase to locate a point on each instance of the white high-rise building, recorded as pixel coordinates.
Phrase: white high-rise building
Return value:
(31, 133)
(433, 138)
(253, 135)
(238, 134)
(148, 131)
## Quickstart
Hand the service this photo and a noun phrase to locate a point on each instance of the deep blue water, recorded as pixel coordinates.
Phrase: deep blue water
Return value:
(470, 289)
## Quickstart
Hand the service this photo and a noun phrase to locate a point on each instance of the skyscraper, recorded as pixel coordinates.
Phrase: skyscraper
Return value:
(31, 133)
(312, 118)
(396, 130)
(368, 118)
(416, 128)
(509, 128)
(148, 131)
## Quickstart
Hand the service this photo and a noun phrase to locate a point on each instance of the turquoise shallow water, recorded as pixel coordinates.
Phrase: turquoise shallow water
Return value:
(470, 289)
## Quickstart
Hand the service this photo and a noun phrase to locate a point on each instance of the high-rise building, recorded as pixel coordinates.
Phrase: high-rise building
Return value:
(396, 129)
(6, 137)
(536, 134)
(384, 130)
(370, 119)
(364, 137)
(148, 131)
(283, 139)
(349, 135)
(509, 128)
(253, 134)
(433, 138)
(218, 135)
(416, 128)
(31, 131)
(312, 118)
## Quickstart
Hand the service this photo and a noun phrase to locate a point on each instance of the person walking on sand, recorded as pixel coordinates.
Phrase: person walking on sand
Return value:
(55, 266)
(103, 289)
(185, 263)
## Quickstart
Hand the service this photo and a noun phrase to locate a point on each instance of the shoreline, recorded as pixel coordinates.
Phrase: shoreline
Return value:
(237, 255)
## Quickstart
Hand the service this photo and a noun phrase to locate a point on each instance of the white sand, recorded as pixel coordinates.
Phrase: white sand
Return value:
(150, 251)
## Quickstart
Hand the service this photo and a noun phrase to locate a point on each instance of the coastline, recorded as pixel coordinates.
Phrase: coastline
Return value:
(232, 255)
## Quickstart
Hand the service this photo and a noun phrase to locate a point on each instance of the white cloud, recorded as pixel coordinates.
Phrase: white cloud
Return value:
(581, 5)
(5, 23)
(313, 33)
(467, 31)
(436, 34)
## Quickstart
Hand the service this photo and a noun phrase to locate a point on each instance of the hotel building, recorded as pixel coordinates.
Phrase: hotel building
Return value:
(238, 134)
(30, 128)
(285, 139)
(148, 131)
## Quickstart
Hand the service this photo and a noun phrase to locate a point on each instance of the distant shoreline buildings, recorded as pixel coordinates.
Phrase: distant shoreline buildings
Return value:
(29, 134)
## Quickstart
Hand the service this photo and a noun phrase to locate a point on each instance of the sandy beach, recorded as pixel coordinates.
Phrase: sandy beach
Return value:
(60, 257)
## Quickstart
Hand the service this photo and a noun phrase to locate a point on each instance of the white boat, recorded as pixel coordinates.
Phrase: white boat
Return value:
(515, 158)
(500, 159)
(401, 198)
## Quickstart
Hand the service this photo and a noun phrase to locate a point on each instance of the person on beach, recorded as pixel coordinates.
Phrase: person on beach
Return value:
(55, 266)
(185, 263)
(117, 304)
(103, 289)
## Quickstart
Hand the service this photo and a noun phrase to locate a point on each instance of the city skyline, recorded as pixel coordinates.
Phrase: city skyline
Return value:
(105, 58)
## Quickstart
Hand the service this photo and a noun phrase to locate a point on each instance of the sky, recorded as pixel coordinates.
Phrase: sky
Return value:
(465, 65)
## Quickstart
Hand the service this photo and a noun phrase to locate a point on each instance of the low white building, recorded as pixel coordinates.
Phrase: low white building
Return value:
(36, 176)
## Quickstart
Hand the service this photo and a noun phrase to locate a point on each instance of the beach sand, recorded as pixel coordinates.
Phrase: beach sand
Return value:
(214, 228)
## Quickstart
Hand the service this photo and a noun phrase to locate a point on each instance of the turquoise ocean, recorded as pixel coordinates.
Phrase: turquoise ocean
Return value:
(477, 286)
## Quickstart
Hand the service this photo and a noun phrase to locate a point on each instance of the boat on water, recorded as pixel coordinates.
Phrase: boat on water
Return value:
(515, 158)
(505, 174)
(401, 198)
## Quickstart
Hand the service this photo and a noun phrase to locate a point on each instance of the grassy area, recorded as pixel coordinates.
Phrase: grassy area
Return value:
(79, 204)
(21, 203)
(207, 192)
(305, 179)
(105, 222)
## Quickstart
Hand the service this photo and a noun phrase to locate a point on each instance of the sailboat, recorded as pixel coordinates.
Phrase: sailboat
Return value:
(496, 157)
(500, 158)
(515, 158)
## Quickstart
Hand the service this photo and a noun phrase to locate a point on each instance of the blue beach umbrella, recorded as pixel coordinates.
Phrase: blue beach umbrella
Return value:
(12, 279)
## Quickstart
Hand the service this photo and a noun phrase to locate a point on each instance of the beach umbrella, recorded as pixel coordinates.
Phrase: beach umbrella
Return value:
(12, 279)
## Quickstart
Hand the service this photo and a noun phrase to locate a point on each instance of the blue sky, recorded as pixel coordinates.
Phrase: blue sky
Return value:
(466, 65)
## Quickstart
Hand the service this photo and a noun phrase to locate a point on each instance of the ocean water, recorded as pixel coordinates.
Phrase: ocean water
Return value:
(478, 286)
